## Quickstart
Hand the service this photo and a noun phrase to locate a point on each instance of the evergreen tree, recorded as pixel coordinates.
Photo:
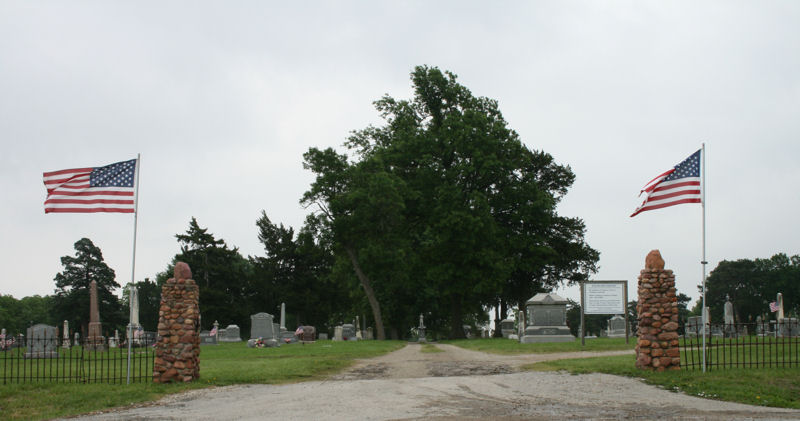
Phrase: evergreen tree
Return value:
(71, 299)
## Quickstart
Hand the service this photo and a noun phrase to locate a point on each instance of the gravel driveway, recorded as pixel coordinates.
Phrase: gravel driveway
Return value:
(452, 385)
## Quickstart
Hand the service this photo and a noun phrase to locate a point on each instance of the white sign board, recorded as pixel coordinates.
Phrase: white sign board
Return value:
(604, 297)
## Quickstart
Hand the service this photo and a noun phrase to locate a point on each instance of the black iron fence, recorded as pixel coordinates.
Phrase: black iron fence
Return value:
(44, 358)
(741, 345)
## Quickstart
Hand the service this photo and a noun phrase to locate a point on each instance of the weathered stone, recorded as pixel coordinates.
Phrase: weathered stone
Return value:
(178, 351)
(653, 261)
(182, 271)
(657, 346)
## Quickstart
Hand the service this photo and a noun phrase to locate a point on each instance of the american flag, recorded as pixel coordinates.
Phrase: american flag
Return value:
(213, 331)
(674, 187)
(94, 189)
(773, 306)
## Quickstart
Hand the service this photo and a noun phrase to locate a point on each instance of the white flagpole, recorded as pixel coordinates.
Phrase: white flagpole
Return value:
(704, 262)
(133, 264)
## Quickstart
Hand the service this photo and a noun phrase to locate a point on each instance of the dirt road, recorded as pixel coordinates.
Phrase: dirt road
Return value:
(456, 384)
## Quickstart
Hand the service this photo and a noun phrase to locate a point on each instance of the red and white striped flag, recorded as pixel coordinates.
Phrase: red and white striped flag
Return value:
(676, 186)
(93, 189)
(773, 306)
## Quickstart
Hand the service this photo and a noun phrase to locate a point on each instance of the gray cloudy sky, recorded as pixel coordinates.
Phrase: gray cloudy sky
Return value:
(222, 98)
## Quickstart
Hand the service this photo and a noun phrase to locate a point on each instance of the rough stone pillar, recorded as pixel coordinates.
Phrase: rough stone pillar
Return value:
(657, 347)
(178, 348)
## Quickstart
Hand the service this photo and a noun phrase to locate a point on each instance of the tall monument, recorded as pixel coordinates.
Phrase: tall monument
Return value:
(95, 340)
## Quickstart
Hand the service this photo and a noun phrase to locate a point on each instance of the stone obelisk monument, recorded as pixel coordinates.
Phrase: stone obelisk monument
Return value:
(95, 340)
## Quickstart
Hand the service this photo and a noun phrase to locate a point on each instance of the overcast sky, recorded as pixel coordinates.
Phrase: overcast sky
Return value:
(222, 98)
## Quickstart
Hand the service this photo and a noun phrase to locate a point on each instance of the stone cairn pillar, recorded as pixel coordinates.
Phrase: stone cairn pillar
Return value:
(178, 348)
(657, 347)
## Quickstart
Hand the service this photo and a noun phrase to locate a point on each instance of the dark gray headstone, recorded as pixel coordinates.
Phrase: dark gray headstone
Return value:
(206, 338)
(41, 341)
(262, 326)
(546, 319)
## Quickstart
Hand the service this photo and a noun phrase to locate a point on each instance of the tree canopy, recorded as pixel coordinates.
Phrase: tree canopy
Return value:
(443, 210)
(71, 300)
(752, 284)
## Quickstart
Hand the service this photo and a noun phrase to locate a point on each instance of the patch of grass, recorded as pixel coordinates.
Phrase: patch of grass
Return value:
(508, 346)
(428, 348)
(224, 364)
(776, 387)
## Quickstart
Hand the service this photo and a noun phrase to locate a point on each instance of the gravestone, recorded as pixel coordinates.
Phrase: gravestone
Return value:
(95, 340)
(369, 336)
(282, 327)
(77, 341)
(616, 327)
(730, 329)
(421, 330)
(65, 342)
(323, 337)
(507, 327)
(262, 326)
(113, 341)
(231, 334)
(206, 338)
(760, 329)
(694, 327)
(546, 319)
(309, 334)
(338, 333)
(41, 341)
(348, 332)
(788, 327)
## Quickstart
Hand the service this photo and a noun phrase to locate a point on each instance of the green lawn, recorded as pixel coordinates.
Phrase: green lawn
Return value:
(766, 386)
(225, 364)
(507, 346)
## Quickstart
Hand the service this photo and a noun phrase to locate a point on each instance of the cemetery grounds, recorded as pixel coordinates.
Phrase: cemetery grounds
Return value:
(354, 363)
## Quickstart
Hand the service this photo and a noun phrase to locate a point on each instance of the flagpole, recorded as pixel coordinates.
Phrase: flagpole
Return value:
(133, 264)
(704, 262)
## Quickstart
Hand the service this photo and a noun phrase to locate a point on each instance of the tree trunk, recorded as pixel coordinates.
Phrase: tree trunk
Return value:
(373, 301)
(456, 318)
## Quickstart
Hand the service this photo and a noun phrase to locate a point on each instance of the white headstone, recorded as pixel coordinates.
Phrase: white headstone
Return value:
(728, 311)
(283, 317)
(65, 342)
(780, 315)
(134, 308)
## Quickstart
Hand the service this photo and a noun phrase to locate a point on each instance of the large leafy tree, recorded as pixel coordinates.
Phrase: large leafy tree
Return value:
(444, 210)
(71, 299)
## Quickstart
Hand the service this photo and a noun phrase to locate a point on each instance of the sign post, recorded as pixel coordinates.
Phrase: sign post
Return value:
(604, 297)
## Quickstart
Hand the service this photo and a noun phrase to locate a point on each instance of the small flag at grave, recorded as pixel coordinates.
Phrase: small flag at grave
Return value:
(773, 306)
(299, 331)
(213, 331)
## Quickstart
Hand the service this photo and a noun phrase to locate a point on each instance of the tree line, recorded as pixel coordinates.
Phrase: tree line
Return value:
(751, 284)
